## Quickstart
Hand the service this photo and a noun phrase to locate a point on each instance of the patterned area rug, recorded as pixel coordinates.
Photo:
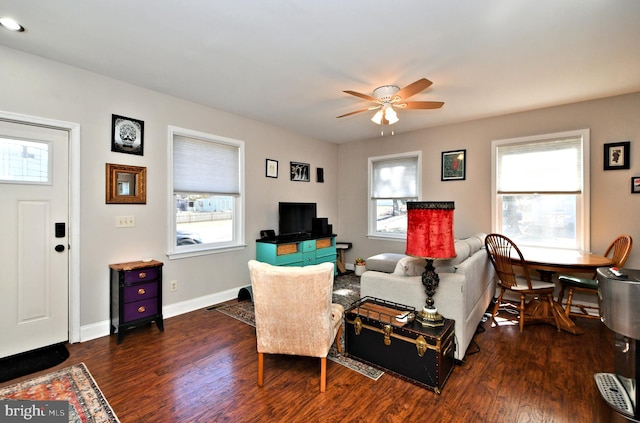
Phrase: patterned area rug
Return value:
(74, 384)
(346, 290)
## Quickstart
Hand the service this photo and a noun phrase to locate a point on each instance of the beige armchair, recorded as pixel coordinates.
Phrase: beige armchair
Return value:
(294, 314)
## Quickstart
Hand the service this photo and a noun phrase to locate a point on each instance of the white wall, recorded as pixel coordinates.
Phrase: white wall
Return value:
(35, 86)
(40, 87)
(614, 210)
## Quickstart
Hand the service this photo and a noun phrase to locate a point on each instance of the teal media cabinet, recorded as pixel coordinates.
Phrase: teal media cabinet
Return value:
(302, 252)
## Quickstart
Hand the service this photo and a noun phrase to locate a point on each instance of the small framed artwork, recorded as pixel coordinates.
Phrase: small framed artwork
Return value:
(127, 135)
(320, 175)
(300, 172)
(272, 168)
(635, 185)
(616, 155)
(454, 165)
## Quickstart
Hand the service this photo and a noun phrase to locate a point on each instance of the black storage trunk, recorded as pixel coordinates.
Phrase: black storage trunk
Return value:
(418, 354)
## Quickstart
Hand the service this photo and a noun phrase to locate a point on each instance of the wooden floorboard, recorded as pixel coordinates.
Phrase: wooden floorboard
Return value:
(203, 368)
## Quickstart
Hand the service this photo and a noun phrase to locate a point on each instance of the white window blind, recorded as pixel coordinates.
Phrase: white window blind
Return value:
(395, 178)
(205, 166)
(553, 166)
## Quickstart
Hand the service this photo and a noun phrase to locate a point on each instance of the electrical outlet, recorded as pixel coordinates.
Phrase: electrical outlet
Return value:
(173, 286)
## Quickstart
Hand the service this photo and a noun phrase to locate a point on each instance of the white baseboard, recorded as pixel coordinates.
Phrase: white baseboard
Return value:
(100, 329)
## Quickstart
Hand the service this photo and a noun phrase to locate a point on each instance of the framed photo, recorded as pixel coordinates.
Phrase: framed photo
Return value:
(127, 135)
(272, 168)
(300, 172)
(616, 155)
(635, 185)
(454, 165)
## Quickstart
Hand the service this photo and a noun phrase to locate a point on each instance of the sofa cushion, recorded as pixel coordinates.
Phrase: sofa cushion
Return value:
(385, 262)
(410, 266)
(476, 242)
(402, 264)
(414, 266)
(462, 253)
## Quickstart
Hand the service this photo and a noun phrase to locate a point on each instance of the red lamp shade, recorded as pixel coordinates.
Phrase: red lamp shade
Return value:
(430, 229)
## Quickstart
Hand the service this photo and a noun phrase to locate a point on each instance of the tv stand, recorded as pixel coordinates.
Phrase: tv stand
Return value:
(303, 250)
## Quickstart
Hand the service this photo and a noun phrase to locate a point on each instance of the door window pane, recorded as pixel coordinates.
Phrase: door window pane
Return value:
(24, 161)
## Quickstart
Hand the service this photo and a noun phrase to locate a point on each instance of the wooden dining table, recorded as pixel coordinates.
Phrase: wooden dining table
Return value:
(547, 262)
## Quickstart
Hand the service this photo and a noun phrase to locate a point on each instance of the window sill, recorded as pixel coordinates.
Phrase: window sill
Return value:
(176, 255)
(380, 237)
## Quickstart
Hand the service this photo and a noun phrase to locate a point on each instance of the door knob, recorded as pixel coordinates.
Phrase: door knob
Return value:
(59, 248)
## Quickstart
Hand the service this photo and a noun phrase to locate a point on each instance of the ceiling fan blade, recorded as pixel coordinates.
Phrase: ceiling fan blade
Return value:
(357, 111)
(365, 96)
(419, 104)
(414, 88)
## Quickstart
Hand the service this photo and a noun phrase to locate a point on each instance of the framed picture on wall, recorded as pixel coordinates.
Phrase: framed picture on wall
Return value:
(300, 172)
(616, 155)
(272, 168)
(127, 135)
(635, 185)
(454, 165)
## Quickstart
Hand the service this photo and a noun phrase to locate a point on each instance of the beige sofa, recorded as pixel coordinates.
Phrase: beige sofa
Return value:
(464, 293)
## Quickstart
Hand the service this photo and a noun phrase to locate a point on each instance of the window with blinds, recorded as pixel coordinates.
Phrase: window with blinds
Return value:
(540, 189)
(207, 191)
(393, 180)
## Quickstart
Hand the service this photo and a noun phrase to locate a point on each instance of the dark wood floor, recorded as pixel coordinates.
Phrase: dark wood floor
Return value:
(203, 369)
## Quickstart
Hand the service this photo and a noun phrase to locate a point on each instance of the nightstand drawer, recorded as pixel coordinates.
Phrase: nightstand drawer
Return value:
(140, 309)
(141, 291)
(140, 275)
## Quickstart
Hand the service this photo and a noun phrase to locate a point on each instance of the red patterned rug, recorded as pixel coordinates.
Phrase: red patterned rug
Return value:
(74, 384)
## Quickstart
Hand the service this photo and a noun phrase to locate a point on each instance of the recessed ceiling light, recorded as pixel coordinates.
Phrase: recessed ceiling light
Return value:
(11, 24)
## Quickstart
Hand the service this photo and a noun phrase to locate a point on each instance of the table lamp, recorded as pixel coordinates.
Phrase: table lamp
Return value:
(430, 236)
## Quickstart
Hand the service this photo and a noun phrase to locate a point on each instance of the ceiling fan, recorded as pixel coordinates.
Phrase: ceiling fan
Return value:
(389, 97)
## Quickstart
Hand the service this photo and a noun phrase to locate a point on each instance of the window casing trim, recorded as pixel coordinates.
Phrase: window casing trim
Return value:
(371, 201)
(238, 242)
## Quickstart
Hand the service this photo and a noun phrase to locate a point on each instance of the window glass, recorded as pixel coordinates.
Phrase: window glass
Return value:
(540, 195)
(394, 180)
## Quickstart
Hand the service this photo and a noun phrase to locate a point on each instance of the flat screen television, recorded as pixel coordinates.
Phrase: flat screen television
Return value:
(296, 218)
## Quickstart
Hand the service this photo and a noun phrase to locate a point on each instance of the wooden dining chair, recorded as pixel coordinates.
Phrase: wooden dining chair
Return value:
(618, 251)
(505, 255)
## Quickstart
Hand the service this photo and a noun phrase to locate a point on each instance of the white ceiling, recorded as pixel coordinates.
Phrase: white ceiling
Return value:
(287, 62)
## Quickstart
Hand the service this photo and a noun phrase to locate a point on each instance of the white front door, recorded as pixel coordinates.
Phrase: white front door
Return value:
(34, 190)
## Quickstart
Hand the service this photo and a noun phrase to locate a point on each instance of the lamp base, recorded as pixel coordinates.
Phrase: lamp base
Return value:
(429, 317)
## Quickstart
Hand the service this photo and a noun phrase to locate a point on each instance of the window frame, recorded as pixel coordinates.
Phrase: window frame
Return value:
(583, 212)
(371, 203)
(238, 239)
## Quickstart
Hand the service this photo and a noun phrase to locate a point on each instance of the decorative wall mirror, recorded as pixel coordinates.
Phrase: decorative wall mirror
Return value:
(126, 184)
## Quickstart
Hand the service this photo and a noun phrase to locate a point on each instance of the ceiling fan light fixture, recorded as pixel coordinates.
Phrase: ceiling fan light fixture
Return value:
(377, 118)
(390, 115)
